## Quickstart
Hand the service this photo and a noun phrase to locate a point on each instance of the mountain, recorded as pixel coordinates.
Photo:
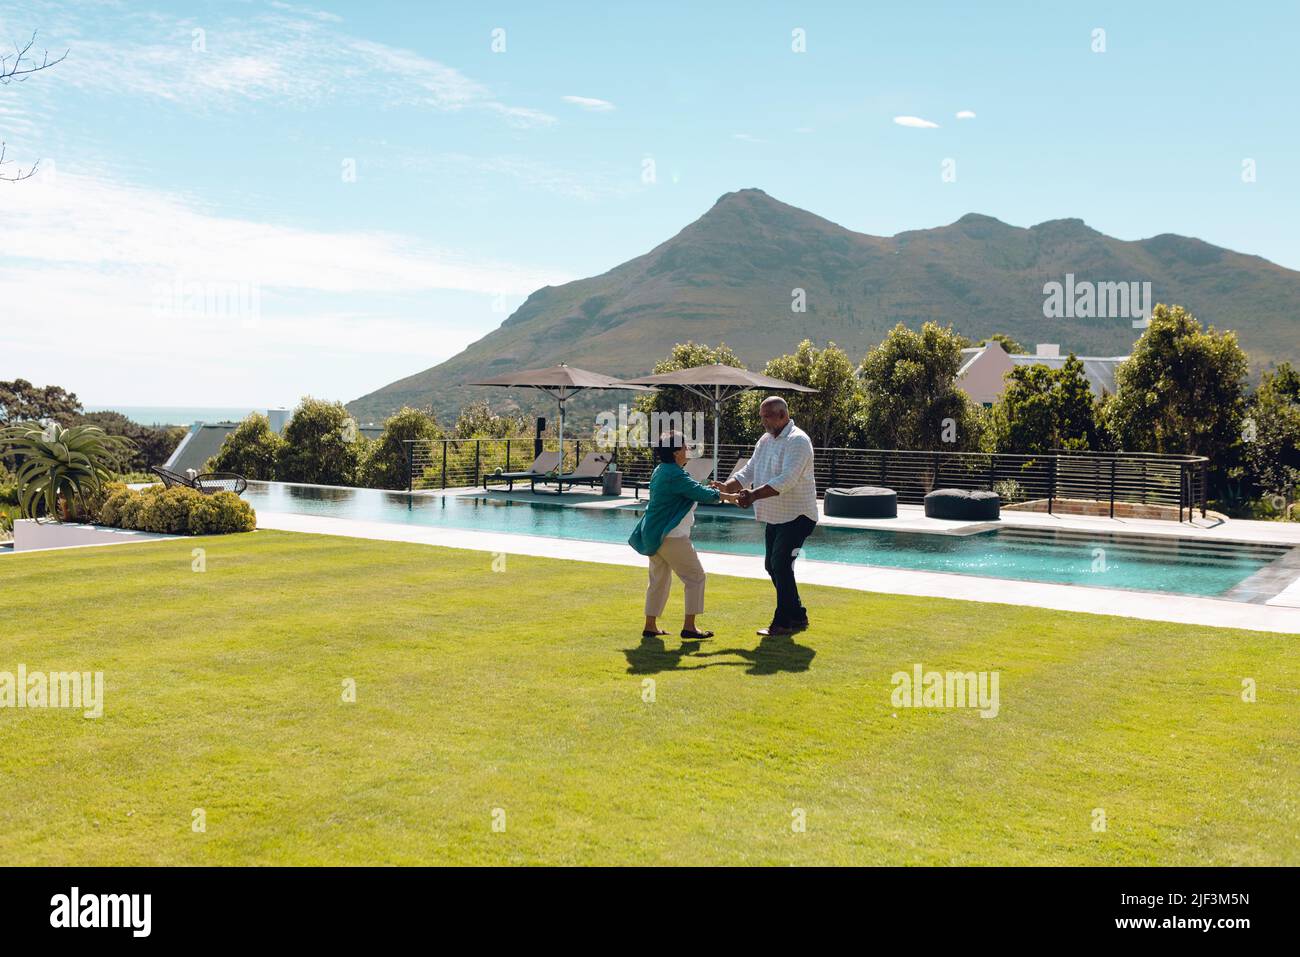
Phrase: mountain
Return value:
(729, 276)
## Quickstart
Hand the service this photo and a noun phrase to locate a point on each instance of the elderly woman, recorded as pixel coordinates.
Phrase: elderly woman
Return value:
(664, 534)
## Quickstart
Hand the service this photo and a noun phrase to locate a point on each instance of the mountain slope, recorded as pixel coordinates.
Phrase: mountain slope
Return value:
(730, 275)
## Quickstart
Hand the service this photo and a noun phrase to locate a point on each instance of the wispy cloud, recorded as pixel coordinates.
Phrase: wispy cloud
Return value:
(97, 254)
(589, 103)
(112, 227)
(307, 12)
(965, 114)
(915, 122)
(292, 56)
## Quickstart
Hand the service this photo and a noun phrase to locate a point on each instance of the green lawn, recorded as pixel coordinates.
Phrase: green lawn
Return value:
(521, 689)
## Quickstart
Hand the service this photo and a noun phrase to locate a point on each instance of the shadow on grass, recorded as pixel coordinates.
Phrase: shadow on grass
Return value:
(774, 654)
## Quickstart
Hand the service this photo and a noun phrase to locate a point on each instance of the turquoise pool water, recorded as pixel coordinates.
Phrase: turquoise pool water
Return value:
(1139, 563)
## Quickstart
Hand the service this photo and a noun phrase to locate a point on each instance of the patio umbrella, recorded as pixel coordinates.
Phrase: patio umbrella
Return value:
(562, 383)
(719, 383)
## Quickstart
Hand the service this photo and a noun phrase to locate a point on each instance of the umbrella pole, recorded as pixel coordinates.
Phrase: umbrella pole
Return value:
(717, 414)
(559, 485)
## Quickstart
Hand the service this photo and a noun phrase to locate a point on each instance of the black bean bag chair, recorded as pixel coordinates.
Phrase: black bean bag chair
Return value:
(865, 501)
(960, 503)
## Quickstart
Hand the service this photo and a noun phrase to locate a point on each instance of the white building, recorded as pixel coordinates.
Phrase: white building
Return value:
(983, 369)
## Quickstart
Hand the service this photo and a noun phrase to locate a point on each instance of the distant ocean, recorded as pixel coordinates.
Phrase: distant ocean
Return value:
(176, 414)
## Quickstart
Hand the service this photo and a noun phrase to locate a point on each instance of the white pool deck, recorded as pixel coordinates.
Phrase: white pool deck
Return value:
(1280, 613)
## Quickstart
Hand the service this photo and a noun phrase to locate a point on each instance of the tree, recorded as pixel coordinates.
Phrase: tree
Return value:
(478, 421)
(1009, 345)
(250, 450)
(828, 414)
(20, 401)
(738, 425)
(1182, 390)
(151, 445)
(320, 445)
(1271, 433)
(386, 465)
(1044, 409)
(912, 401)
(16, 67)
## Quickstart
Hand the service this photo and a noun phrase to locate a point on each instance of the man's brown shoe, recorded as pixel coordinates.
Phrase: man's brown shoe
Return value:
(774, 631)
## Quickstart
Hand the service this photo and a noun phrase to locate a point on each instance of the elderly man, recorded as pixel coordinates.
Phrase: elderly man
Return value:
(778, 482)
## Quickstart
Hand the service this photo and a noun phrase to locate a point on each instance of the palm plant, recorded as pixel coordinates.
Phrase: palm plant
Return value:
(58, 467)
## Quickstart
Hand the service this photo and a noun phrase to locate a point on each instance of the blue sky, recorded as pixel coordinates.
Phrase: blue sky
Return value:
(176, 160)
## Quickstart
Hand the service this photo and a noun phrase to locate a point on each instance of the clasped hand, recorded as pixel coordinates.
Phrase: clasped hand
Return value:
(744, 498)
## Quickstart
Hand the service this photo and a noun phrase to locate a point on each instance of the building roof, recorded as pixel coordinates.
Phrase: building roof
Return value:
(968, 356)
(203, 442)
(205, 438)
(1099, 370)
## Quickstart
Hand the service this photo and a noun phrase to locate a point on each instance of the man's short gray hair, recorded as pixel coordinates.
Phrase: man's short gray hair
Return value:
(775, 400)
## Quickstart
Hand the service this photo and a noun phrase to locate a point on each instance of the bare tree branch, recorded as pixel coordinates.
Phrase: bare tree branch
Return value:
(5, 177)
(16, 67)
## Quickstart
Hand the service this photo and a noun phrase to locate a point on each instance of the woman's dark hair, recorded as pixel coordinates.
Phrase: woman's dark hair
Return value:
(668, 442)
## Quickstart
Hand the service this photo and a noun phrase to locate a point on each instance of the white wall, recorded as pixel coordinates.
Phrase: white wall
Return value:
(982, 380)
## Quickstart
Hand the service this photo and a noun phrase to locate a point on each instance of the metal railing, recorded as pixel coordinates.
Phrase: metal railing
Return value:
(1135, 478)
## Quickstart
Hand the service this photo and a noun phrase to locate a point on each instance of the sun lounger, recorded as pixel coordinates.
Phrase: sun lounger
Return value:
(589, 471)
(541, 468)
(172, 479)
(740, 464)
(700, 469)
(209, 483)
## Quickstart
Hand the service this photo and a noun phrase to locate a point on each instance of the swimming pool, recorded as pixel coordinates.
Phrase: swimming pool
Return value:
(1172, 565)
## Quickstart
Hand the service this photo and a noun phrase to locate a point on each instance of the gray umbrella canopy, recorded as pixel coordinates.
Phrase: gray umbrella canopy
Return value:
(558, 378)
(719, 383)
(562, 383)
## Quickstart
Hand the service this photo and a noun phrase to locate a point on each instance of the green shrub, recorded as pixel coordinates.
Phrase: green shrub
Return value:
(134, 507)
(250, 450)
(1270, 507)
(221, 514)
(320, 445)
(385, 464)
(176, 511)
(1010, 491)
(168, 511)
(111, 509)
(8, 486)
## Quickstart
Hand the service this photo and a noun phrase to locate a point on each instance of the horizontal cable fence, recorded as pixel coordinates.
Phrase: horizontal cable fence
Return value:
(1129, 478)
